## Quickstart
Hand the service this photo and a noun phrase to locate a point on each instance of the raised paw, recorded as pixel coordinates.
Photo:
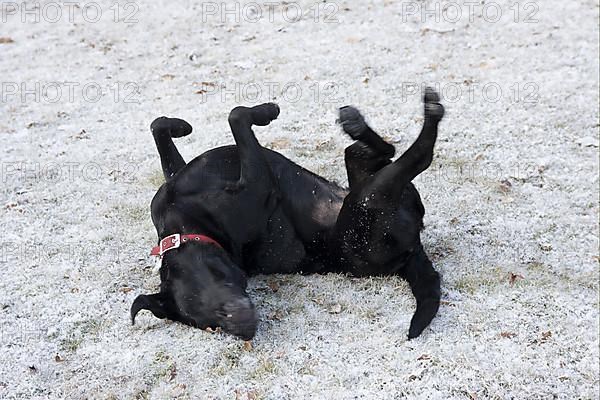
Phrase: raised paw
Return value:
(264, 113)
(174, 127)
(434, 110)
(431, 96)
(352, 122)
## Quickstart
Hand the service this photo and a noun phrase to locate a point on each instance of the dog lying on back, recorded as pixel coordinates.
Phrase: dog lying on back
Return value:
(241, 210)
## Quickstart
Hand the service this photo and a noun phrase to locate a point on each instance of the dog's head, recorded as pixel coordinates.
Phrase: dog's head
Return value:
(201, 286)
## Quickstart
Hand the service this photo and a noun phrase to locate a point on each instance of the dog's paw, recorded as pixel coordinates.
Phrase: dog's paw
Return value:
(414, 332)
(174, 127)
(352, 122)
(431, 96)
(434, 110)
(264, 113)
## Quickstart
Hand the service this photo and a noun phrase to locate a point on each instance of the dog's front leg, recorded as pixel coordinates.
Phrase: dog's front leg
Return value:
(163, 130)
(254, 168)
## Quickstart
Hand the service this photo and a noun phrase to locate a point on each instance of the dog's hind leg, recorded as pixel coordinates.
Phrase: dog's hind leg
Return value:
(164, 129)
(253, 165)
(369, 153)
(377, 230)
(354, 124)
(391, 180)
(390, 187)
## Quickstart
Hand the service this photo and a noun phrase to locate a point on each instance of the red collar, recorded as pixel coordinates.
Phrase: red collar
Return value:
(174, 241)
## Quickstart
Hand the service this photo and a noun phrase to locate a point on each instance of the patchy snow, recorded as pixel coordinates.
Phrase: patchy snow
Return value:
(512, 197)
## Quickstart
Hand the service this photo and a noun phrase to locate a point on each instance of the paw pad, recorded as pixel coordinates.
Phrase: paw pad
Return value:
(175, 127)
(433, 108)
(264, 113)
(352, 122)
(431, 96)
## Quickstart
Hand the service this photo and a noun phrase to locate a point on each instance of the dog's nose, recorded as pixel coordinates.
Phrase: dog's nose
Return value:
(239, 318)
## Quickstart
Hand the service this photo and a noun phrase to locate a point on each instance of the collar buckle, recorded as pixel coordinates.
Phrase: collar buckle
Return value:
(175, 241)
(169, 243)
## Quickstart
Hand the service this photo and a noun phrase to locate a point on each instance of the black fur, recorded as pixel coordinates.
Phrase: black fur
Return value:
(272, 216)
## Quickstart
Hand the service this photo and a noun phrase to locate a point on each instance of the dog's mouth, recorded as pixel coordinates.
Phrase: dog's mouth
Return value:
(238, 317)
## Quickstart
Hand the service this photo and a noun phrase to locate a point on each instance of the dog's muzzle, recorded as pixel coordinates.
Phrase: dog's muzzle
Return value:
(239, 318)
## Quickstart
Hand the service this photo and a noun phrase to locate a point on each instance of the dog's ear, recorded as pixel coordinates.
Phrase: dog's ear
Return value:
(156, 303)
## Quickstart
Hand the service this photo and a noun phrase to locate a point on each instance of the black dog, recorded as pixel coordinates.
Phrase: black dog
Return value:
(247, 210)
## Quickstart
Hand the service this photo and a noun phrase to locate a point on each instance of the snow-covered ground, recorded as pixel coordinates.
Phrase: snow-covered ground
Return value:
(512, 197)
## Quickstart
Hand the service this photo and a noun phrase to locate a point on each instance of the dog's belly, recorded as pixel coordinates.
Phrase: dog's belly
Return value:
(307, 210)
(310, 202)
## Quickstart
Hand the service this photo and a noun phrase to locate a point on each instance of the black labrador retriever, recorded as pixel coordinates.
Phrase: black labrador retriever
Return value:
(241, 210)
